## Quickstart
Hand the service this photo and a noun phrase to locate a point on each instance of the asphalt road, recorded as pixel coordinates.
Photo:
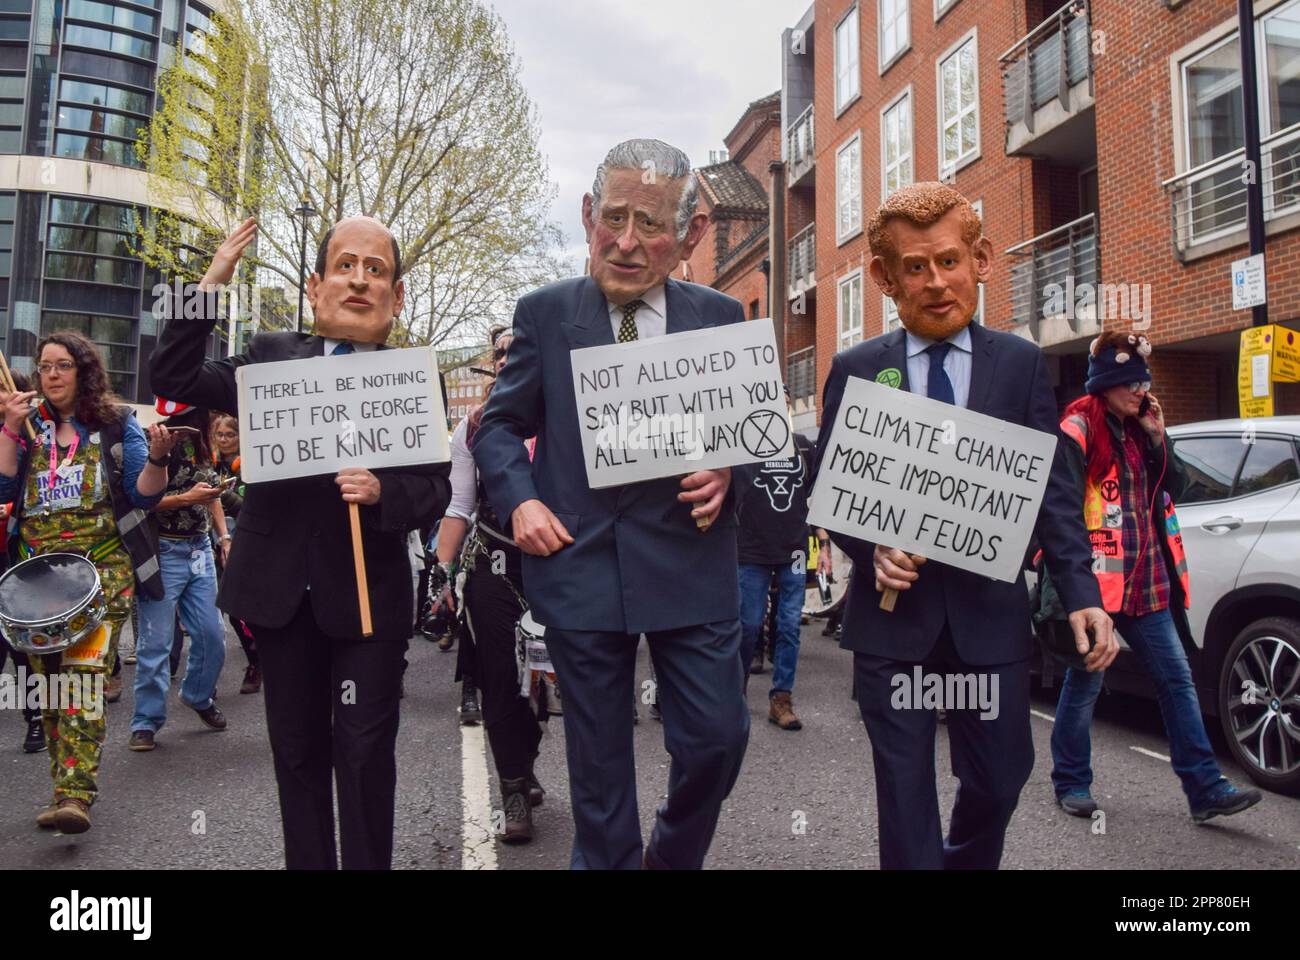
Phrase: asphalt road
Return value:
(804, 799)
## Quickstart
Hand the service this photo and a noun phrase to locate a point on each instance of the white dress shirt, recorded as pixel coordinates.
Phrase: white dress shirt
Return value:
(651, 319)
(956, 364)
(357, 345)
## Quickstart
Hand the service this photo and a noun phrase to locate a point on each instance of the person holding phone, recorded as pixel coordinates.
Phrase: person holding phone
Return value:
(1127, 482)
(189, 508)
(225, 458)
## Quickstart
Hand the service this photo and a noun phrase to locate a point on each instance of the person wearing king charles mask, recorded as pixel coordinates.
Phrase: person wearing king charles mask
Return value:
(928, 254)
(290, 575)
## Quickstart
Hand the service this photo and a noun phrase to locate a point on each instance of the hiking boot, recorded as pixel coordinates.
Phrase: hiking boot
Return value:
(252, 679)
(213, 717)
(113, 689)
(446, 642)
(45, 819)
(471, 715)
(140, 740)
(71, 816)
(1077, 803)
(781, 711)
(1224, 800)
(34, 742)
(518, 826)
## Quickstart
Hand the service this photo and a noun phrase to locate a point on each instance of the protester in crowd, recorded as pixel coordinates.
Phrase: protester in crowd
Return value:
(493, 603)
(603, 566)
(1127, 481)
(928, 254)
(291, 575)
(81, 487)
(190, 507)
(773, 544)
(225, 457)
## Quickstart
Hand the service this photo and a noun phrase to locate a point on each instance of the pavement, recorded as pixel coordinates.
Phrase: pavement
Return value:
(805, 799)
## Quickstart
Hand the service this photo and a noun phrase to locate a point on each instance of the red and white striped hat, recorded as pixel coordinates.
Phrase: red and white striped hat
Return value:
(169, 408)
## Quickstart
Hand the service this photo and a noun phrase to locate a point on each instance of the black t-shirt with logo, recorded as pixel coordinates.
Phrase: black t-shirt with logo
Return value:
(774, 508)
(183, 472)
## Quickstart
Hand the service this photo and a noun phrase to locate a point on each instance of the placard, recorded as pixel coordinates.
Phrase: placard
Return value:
(301, 418)
(933, 479)
(671, 405)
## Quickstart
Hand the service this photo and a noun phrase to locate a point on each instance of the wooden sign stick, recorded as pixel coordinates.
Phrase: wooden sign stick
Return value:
(359, 562)
(889, 596)
(8, 383)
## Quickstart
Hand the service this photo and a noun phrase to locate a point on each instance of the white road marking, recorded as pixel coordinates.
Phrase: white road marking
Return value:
(478, 844)
(1044, 716)
(1151, 753)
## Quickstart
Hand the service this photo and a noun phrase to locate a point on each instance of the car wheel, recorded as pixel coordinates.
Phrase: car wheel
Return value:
(1259, 702)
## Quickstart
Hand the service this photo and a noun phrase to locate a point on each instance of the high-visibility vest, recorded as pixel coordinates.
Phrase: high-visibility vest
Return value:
(1103, 515)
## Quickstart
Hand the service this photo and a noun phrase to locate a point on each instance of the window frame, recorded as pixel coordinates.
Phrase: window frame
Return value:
(884, 63)
(964, 160)
(941, 7)
(853, 276)
(855, 140)
(856, 47)
(903, 95)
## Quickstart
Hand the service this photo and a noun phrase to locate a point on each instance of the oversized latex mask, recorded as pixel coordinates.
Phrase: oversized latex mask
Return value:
(356, 292)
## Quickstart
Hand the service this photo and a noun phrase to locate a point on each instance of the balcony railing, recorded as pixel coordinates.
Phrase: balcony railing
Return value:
(801, 374)
(803, 261)
(1046, 63)
(1209, 201)
(1040, 268)
(800, 145)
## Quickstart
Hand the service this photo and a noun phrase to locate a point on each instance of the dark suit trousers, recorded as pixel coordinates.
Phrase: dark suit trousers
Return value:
(332, 706)
(992, 759)
(706, 730)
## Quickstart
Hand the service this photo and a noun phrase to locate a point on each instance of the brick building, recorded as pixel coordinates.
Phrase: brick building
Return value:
(466, 386)
(1102, 142)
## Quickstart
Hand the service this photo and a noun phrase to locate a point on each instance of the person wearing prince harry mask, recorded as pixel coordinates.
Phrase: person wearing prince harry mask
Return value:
(929, 255)
(290, 575)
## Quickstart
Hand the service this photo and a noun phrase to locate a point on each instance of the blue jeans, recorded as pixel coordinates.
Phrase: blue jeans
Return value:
(754, 581)
(190, 580)
(1155, 639)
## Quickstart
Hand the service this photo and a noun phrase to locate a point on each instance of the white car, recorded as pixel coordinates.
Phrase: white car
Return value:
(1240, 519)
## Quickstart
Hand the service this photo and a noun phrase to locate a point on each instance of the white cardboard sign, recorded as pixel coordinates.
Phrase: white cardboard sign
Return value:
(932, 479)
(671, 405)
(301, 418)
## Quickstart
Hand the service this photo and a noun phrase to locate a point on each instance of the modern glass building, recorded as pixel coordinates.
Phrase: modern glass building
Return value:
(77, 84)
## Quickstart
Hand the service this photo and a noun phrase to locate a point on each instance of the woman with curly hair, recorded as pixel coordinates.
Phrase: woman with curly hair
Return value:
(82, 485)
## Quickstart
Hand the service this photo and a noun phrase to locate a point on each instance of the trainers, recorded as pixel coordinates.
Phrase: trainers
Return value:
(781, 711)
(140, 740)
(1077, 803)
(213, 717)
(1223, 800)
(518, 827)
(471, 715)
(113, 689)
(72, 816)
(252, 679)
(34, 742)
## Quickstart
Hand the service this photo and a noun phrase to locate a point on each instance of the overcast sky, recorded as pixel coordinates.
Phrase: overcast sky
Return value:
(601, 71)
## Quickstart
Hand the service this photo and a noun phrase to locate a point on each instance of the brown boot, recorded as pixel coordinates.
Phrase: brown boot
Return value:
(781, 712)
(72, 815)
(113, 689)
(252, 680)
(45, 819)
(518, 823)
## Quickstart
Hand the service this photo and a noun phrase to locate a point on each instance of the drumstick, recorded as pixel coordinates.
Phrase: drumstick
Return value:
(9, 385)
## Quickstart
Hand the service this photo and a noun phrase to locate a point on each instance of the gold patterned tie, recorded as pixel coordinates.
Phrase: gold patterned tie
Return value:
(627, 329)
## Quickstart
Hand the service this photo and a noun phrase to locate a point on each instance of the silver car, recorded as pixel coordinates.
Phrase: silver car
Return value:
(1240, 519)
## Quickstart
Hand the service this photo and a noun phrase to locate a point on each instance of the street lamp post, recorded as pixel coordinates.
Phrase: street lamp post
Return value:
(305, 211)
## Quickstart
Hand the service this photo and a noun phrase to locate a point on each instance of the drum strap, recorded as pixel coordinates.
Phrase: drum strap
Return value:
(95, 554)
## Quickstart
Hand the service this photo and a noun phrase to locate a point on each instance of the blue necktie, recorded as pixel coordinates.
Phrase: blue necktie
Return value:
(342, 348)
(938, 386)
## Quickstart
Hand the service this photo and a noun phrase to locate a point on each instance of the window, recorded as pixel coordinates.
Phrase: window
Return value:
(895, 33)
(896, 145)
(848, 189)
(1281, 45)
(112, 16)
(846, 60)
(108, 40)
(850, 310)
(941, 7)
(1270, 462)
(1211, 464)
(979, 306)
(96, 148)
(104, 95)
(959, 136)
(890, 312)
(753, 309)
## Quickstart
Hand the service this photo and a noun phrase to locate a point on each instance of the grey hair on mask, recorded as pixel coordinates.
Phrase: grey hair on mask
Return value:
(660, 160)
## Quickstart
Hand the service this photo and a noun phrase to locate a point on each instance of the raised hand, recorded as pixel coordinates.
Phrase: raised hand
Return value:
(227, 256)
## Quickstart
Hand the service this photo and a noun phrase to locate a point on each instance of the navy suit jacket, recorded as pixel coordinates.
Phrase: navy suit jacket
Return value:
(638, 563)
(989, 619)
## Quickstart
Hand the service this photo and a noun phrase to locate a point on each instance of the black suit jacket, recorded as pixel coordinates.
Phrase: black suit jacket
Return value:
(295, 534)
(989, 619)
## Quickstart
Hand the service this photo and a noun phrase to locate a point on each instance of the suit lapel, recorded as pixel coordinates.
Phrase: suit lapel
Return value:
(589, 326)
(682, 314)
(982, 361)
(893, 354)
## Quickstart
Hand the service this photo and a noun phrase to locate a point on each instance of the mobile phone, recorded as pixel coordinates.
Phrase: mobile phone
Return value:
(228, 483)
(1145, 407)
(193, 430)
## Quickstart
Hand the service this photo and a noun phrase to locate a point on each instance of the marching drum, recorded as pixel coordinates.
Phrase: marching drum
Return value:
(50, 603)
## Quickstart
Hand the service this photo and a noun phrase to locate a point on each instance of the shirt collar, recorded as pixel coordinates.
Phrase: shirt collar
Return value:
(960, 340)
(654, 298)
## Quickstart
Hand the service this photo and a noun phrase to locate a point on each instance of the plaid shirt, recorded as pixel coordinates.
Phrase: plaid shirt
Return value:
(1146, 581)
